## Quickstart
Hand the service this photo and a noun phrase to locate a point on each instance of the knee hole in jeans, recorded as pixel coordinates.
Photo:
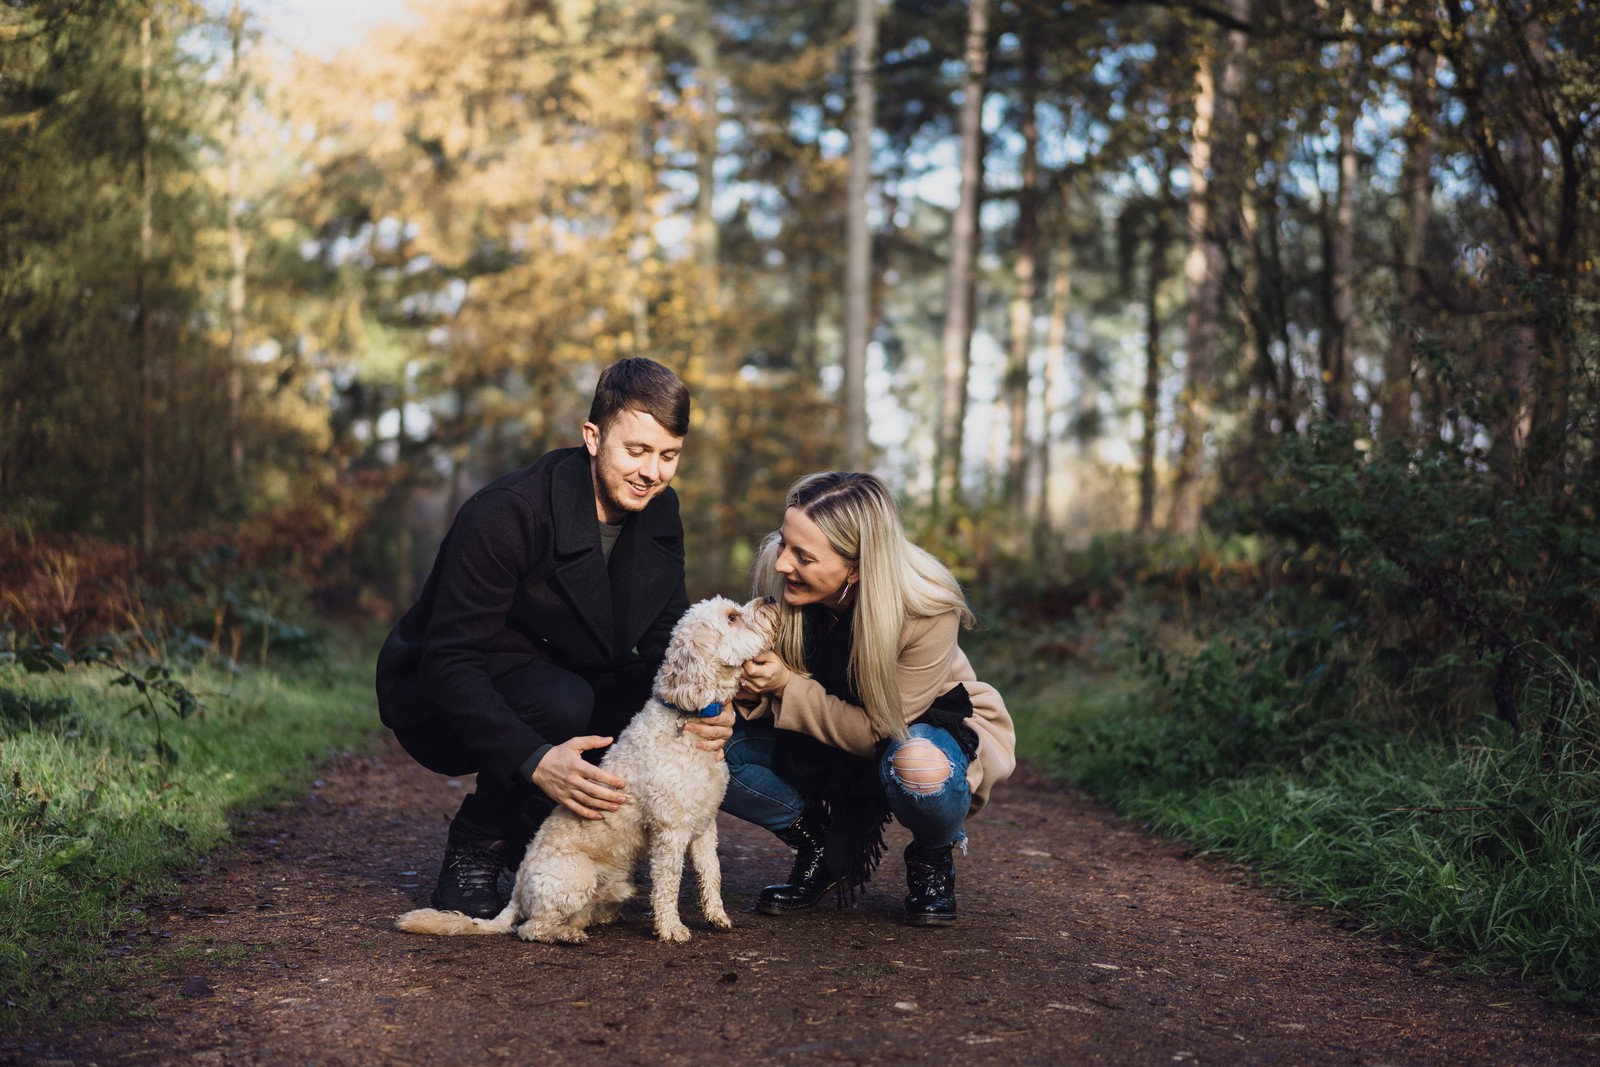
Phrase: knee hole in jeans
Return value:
(920, 767)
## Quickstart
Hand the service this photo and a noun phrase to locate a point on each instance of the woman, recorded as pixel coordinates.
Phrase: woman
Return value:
(866, 709)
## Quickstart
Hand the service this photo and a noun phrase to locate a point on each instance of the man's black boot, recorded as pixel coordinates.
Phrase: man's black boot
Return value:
(931, 879)
(468, 879)
(810, 880)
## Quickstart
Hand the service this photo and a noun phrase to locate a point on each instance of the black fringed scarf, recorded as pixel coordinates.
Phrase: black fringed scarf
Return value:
(845, 787)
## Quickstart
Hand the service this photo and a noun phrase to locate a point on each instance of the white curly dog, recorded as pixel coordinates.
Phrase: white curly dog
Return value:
(578, 872)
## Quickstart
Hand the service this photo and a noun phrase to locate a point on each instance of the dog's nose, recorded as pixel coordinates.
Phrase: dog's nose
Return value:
(769, 600)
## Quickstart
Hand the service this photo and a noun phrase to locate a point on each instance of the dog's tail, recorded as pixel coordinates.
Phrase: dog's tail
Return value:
(452, 923)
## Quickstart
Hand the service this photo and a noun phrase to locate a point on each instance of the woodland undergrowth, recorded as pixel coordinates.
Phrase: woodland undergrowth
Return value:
(164, 701)
(1376, 683)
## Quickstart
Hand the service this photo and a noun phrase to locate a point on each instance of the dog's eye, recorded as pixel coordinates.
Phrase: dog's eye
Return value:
(733, 616)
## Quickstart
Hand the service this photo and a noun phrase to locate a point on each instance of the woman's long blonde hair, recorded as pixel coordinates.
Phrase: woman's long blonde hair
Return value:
(897, 581)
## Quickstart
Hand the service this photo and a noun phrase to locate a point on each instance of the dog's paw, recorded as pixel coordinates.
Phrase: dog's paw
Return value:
(679, 933)
(552, 935)
(720, 920)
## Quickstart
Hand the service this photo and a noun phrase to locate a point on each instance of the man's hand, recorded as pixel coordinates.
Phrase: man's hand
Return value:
(575, 783)
(713, 733)
(764, 674)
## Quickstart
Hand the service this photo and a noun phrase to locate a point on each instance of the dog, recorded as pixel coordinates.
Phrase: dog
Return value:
(578, 872)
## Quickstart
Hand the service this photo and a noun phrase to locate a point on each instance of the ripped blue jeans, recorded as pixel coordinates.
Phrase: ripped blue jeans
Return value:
(936, 815)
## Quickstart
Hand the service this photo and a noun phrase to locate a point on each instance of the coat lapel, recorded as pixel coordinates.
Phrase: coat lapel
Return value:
(645, 569)
(580, 565)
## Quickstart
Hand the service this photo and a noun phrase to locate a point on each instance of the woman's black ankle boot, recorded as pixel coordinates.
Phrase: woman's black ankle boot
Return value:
(810, 880)
(931, 879)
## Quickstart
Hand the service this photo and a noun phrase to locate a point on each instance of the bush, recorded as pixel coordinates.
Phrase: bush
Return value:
(1460, 588)
(1398, 714)
(207, 600)
(1482, 848)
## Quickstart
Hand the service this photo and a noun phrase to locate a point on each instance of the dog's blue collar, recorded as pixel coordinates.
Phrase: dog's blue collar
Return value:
(710, 711)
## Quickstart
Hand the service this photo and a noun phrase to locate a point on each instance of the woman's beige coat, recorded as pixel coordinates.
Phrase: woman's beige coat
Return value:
(930, 664)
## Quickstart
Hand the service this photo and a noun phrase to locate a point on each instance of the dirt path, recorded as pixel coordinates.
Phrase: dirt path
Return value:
(1081, 941)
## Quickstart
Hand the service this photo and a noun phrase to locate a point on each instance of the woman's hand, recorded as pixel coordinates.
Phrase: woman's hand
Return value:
(764, 674)
(713, 732)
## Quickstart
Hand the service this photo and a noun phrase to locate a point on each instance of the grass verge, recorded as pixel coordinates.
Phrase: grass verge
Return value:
(101, 804)
(1482, 846)
(1440, 842)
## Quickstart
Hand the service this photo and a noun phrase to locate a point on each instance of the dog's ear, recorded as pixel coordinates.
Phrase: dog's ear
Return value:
(693, 675)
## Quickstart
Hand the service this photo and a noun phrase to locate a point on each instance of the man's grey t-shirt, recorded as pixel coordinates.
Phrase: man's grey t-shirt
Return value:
(608, 538)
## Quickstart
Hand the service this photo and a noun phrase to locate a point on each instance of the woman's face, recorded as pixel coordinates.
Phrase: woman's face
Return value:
(813, 573)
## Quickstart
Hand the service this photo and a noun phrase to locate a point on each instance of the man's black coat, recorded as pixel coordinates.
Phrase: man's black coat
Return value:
(521, 577)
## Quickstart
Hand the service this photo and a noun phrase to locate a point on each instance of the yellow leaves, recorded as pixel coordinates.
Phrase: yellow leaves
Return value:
(808, 66)
(11, 31)
(575, 17)
(517, 148)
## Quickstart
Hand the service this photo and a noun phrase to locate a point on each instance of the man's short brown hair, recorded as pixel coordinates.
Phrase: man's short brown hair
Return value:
(644, 385)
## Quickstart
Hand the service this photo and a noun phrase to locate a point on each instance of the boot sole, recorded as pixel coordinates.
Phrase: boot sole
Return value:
(765, 908)
(471, 914)
(773, 909)
(929, 920)
(780, 909)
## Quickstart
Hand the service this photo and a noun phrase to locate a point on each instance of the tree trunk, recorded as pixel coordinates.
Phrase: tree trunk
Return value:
(1338, 335)
(236, 249)
(713, 427)
(955, 339)
(1149, 405)
(858, 238)
(703, 44)
(1544, 246)
(641, 241)
(1552, 398)
(1211, 204)
(1520, 345)
(1416, 181)
(1055, 353)
(1266, 403)
(1021, 325)
(1274, 274)
(144, 325)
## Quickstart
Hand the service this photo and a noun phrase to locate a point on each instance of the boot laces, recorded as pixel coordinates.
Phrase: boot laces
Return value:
(929, 872)
(476, 868)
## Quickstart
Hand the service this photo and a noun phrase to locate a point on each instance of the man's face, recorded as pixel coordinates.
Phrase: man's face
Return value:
(633, 461)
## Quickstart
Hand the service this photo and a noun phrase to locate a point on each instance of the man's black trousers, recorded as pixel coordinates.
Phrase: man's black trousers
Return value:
(560, 705)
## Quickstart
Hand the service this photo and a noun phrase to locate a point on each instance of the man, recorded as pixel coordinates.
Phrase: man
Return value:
(540, 629)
